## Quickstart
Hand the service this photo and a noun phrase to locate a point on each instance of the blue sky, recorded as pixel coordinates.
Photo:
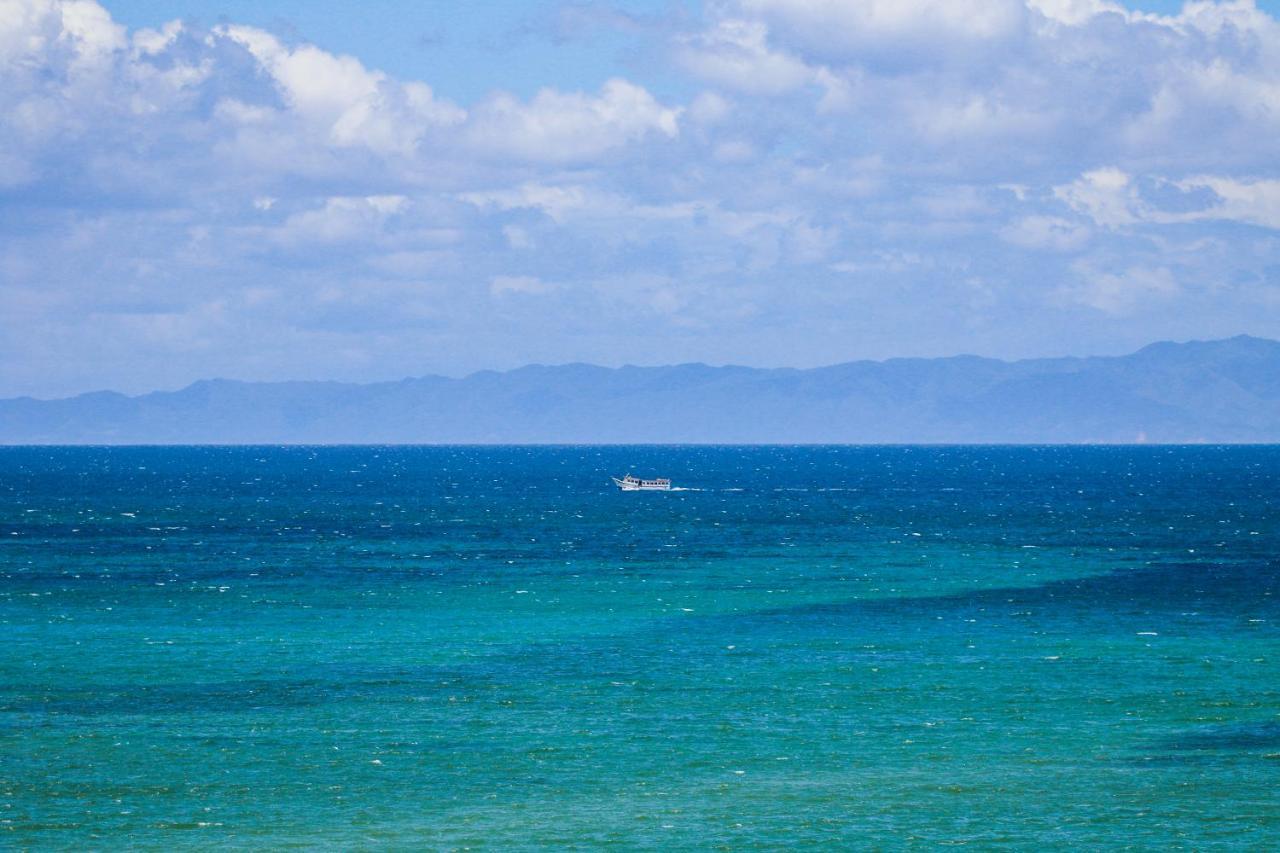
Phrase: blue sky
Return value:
(323, 190)
(466, 50)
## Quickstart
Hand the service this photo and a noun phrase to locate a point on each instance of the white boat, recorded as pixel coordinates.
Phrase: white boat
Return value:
(635, 484)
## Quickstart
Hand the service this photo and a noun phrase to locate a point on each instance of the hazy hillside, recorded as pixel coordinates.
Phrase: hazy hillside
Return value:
(1217, 391)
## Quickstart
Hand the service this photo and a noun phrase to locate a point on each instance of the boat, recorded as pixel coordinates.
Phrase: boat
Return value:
(635, 484)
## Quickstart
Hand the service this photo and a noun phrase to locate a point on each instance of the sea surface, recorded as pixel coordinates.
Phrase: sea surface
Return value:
(463, 647)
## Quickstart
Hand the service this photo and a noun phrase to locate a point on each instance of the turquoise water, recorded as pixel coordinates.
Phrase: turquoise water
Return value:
(492, 647)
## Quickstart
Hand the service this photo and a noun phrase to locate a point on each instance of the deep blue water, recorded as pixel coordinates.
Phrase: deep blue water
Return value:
(492, 647)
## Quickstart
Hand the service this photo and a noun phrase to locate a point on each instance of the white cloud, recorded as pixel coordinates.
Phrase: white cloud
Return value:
(1045, 232)
(1108, 196)
(1112, 199)
(339, 220)
(1084, 80)
(882, 261)
(831, 26)
(1075, 12)
(74, 76)
(557, 202)
(977, 115)
(1052, 150)
(342, 99)
(735, 54)
(562, 127)
(148, 42)
(579, 204)
(95, 35)
(26, 28)
(1252, 202)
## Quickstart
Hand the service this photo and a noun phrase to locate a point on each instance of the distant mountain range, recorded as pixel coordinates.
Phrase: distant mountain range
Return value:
(1209, 391)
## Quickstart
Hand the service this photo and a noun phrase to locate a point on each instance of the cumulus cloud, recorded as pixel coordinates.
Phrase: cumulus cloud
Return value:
(891, 31)
(245, 97)
(1107, 196)
(837, 178)
(343, 101)
(1253, 202)
(1112, 198)
(338, 220)
(993, 84)
(1076, 12)
(735, 53)
(570, 126)
(559, 202)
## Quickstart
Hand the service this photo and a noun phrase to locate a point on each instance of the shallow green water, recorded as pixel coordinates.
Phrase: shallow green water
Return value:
(465, 647)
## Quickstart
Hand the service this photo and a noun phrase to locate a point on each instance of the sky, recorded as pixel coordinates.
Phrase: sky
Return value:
(362, 192)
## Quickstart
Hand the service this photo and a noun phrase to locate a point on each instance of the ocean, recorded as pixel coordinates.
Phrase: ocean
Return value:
(492, 647)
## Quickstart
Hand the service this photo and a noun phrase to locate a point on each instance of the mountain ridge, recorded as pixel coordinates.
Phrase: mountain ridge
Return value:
(1220, 391)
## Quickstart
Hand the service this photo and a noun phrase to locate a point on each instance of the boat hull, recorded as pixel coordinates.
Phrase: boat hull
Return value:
(632, 485)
